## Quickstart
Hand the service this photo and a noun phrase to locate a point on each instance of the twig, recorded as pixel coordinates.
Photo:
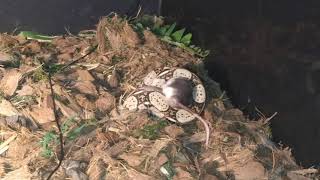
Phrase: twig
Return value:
(56, 118)
(4, 145)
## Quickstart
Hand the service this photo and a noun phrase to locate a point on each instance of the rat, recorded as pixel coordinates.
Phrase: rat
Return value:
(178, 93)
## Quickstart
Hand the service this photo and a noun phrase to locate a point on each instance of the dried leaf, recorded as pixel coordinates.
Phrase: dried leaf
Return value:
(84, 75)
(5, 57)
(162, 159)
(198, 137)
(251, 170)
(10, 82)
(113, 79)
(84, 102)
(135, 175)
(210, 177)
(158, 146)
(182, 174)
(133, 160)
(105, 103)
(66, 111)
(7, 109)
(118, 148)
(44, 113)
(25, 91)
(86, 87)
(173, 131)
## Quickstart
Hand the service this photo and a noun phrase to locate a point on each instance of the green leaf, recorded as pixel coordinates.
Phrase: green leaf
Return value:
(163, 30)
(76, 132)
(170, 30)
(36, 36)
(176, 36)
(186, 40)
(139, 26)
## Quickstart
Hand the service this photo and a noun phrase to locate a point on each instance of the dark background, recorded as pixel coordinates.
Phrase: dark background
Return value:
(256, 66)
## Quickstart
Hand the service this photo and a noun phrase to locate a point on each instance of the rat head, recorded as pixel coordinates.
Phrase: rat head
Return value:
(179, 89)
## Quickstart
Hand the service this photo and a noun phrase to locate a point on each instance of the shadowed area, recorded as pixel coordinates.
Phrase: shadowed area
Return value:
(52, 17)
(262, 54)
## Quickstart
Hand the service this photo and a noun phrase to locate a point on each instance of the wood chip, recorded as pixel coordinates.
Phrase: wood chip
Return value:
(7, 109)
(4, 146)
(133, 160)
(158, 146)
(105, 103)
(113, 79)
(10, 82)
(84, 75)
(173, 131)
(25, 91)
(86, 87)
(118, 148)
(182, 174)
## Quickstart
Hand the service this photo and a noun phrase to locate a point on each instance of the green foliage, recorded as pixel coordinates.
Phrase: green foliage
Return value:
(45, 143)
(52, 68)
(168, 170)
(152, 131)
(23, 101)
(36, 36)
(169, 34)
(39, 75)
(70, 129)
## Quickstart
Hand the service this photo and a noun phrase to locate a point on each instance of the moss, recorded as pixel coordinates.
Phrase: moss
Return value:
(39, 75)
(152, 131)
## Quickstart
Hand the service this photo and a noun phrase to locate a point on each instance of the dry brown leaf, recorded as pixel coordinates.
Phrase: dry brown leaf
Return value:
(250, 171)
(7, 109)
(21, 173)
(294, 176)
(158, 146)
(105, 103)
(133, 160)
(26, 90)
(113, 79)
(66, 111)
(5, 57)
(137, 120)
(162, 159)
(135, 175)
(42, 115)
(173, 131)
(84, 102)
(210, 177)
(86, 87)
(197, 137)
(10, 82)
(182, 174)
(65, 57)
(118, 148)
(84, 75)
(97, 170)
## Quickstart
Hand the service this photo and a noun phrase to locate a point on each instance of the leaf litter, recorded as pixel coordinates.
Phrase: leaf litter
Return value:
(103, 141)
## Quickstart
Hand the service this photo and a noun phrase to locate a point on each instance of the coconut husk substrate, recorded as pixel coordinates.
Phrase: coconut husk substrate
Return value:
(102, 141)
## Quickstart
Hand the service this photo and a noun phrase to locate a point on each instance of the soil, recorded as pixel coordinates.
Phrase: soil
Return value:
(101, 139)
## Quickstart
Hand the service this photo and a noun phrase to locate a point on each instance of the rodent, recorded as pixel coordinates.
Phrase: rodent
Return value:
(178, 93)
